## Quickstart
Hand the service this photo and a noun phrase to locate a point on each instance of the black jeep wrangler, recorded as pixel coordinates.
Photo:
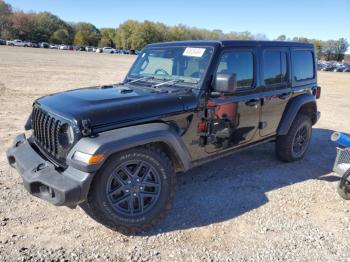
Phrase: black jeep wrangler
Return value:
(115, 149)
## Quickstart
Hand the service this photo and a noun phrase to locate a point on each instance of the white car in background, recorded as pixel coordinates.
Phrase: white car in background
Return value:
(54, 46)
(18, 42)
(107, 50)
(64, 47)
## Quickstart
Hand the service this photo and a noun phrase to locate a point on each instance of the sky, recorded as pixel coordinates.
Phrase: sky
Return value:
(310, 18)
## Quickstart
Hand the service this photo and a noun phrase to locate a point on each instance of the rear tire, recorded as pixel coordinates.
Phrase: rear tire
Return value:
(133, 191)
(293, 146)
(344, 186)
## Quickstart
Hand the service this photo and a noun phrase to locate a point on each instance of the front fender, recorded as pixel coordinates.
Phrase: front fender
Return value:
(121, 139)
(292, 109)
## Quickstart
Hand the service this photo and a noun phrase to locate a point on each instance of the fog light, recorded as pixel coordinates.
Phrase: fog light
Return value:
(87, 158)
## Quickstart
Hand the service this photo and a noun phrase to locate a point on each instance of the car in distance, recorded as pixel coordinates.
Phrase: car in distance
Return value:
(80, 48)
(2, 42)
(54, 46)
(328, 67)
(44, 45)
(63, 47)
(89, 49)
(18, 42)
(34, 44)
(107, 50)
(116, 149)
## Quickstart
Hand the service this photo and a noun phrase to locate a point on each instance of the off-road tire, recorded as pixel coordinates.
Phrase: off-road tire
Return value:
(284, 143)
(100, 209)
(344, 186)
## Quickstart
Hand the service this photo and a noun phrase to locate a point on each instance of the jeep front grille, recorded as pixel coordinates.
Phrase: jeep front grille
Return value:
(46, 129)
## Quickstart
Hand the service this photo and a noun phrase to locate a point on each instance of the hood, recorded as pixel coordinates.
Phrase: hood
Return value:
(112, 105)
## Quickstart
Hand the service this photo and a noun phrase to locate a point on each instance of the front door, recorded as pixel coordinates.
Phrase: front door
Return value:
(233, 120)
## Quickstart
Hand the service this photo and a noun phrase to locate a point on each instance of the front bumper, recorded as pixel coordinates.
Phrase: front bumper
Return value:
(41, 179)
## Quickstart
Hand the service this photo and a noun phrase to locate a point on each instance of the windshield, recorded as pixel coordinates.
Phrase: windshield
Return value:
(185, 64)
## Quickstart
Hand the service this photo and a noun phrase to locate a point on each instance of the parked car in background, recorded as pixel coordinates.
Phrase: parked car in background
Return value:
(122, 52)
(18, 42)
(64, 47)
(328, 67)
(80, 48)
(34, 44)
(89, 49)
(53, 46)
(108, 50)
(339, 68)
(2, 42)
(44, 45)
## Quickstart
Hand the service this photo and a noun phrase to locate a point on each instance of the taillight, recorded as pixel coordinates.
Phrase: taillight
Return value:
(317, 92)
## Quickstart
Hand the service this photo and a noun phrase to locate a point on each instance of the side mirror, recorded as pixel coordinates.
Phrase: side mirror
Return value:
(225, 83)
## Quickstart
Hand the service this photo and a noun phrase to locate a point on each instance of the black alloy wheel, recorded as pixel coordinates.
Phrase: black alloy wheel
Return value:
(133, 188)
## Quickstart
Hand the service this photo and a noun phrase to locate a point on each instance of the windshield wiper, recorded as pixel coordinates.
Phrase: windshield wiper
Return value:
(140, 79)
(173, 82)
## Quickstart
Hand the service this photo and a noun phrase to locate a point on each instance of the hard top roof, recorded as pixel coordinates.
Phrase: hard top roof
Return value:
(233, 43)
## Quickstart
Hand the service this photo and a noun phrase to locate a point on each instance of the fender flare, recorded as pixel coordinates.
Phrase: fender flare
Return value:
(117, 140)
(292, 109)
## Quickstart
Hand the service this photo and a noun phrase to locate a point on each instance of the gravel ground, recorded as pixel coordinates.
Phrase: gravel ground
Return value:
(246, 207)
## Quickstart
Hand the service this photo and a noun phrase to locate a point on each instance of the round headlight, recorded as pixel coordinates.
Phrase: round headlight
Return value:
(66, 135)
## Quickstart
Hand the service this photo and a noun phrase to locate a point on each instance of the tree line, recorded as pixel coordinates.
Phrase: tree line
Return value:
(131, 35)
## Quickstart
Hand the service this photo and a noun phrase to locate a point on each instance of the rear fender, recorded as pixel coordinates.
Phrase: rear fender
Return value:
(306, 102)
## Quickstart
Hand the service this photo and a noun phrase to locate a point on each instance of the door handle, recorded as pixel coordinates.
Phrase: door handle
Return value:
(252, 102)
(285, 95)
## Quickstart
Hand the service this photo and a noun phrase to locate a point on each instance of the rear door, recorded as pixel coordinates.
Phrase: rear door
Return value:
(275, 79)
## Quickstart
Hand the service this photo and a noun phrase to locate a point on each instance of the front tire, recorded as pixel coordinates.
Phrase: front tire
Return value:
(133, 191)
(293, 146)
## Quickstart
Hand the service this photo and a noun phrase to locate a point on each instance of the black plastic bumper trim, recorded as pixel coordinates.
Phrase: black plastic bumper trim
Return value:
(41, 179)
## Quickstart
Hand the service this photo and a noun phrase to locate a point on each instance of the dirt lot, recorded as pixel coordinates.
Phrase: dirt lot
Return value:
(245, 207)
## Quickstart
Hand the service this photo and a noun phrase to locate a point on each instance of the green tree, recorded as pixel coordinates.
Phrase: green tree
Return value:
(5, 19)
(46, 24)
(80, 39)
(88, 32)
(108, 36)
(341, 47)
(125, 36)
(22, 25)
(61, 36)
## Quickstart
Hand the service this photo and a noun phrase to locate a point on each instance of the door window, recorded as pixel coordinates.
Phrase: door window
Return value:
(275, 67)
(240, 63)
(303, 65)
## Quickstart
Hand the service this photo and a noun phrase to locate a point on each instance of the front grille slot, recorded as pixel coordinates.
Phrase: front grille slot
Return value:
(46, 130)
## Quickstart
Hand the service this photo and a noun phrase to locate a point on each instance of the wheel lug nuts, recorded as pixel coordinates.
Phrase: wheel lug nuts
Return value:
(137, 180)
(127, 191)
(135, 194)
(129, 182)
(141, 188)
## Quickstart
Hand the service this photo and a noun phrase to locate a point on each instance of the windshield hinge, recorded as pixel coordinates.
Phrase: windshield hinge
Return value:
(86, 131)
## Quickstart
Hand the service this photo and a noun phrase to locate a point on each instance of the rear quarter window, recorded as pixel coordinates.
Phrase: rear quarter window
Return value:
(303, 65)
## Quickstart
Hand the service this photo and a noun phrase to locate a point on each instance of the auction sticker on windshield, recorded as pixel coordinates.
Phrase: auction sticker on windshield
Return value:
(192, 51)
